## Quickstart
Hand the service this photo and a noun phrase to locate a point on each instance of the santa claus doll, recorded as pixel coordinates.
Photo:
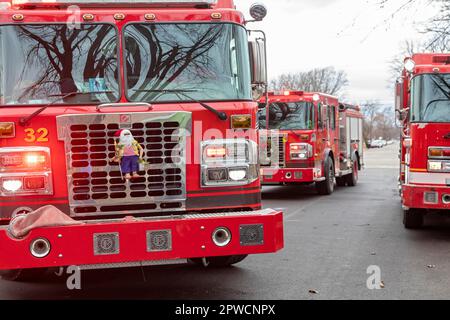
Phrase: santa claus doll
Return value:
(129, 154)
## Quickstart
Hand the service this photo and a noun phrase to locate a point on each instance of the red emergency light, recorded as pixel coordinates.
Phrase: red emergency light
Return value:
(286, 93)
(441, 59)
(152, 3)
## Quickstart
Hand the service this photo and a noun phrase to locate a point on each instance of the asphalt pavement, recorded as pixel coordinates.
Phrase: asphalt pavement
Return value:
(331, 244)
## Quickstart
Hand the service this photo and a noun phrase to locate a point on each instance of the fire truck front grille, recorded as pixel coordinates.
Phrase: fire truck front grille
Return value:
(281, 152)
(273, 154)
(96, 185)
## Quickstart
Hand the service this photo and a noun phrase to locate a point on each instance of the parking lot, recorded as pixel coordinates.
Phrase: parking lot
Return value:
(330, 244)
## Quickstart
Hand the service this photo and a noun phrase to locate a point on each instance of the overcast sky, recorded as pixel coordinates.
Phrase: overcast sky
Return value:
(358, 36)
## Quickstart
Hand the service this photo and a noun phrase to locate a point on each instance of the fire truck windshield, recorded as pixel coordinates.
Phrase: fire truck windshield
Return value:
(209, 60)
(431, 98)
(39, 63)
(289, 116)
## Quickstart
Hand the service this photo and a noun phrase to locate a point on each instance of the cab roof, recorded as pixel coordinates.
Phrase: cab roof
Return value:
(431, 62)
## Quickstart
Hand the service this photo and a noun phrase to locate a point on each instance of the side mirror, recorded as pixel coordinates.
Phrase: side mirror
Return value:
(258, 65)
(399, 101)
(258, 61)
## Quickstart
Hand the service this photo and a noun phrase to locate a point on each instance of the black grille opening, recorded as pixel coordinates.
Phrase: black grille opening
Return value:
(171, 205)
(128, 207)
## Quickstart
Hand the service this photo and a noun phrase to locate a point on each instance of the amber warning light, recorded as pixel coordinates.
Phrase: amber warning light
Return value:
(7, 130)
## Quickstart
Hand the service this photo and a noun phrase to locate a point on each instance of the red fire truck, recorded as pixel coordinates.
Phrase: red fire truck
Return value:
(310, 138)
(423, 107)
(181, 77)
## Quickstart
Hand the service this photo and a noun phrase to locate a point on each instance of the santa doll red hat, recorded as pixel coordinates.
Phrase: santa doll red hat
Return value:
(129, 153)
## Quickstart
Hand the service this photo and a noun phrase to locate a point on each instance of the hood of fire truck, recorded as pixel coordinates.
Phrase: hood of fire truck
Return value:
(425, 135)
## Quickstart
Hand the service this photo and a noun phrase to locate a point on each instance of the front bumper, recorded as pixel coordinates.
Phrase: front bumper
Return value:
(276, 176)
(414, 196)
(128, 240)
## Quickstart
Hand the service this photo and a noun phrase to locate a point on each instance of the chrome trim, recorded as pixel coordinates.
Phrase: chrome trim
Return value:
(160, 247)
(112, 122)
(133, 264)
(114, 242)
(258, 241)
(230, 214)
(227, 234)
(446, 198)
(249, 164)
(435, 196)
(22, 173)
(40, 241)
(192, 216)
(127, 104)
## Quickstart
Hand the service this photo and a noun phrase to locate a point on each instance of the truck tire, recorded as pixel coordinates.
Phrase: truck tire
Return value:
(220, 262)
(413, 218)
(23, 275)
(352, 178)
(326, 187)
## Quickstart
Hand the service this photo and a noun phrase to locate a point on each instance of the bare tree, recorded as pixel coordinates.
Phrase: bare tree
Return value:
(439, 29)
(370, 109)
(408, 49)
(327, 80)
(379, 121)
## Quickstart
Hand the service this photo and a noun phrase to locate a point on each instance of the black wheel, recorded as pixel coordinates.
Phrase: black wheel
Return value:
(327, 187)
(23, 275)
(413, 218)
(352, 179)
(219, 262)
(341, 181)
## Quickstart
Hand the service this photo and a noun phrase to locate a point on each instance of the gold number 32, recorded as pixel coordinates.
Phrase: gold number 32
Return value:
(39, 135)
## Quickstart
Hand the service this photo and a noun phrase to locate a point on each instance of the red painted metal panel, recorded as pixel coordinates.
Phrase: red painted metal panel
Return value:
(74, 245)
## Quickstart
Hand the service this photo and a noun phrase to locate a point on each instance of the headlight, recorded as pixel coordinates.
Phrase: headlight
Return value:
(229, 163)
(301, 151)
(25, 171)
(24, 159)
(439, 166)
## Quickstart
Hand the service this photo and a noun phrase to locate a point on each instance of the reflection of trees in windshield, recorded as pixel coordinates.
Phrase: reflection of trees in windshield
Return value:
(208, 58)
(57, 60)
(431, 98)
(291, 116)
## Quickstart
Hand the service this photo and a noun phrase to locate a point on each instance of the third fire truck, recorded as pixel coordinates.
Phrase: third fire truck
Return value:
(310, 138)
(423, 106)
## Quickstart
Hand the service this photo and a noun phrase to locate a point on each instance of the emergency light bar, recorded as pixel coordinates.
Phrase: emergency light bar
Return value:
(152, 3)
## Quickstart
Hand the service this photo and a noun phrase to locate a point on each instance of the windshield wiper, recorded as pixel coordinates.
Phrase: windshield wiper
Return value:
(221, 115)
(25, 120)
(446, 93)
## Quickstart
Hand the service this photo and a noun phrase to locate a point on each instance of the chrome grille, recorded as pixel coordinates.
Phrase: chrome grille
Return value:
(273, 153)
(95, 184)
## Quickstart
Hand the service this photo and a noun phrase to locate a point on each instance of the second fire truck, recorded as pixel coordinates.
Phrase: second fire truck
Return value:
(310, 138)
(423, 106)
